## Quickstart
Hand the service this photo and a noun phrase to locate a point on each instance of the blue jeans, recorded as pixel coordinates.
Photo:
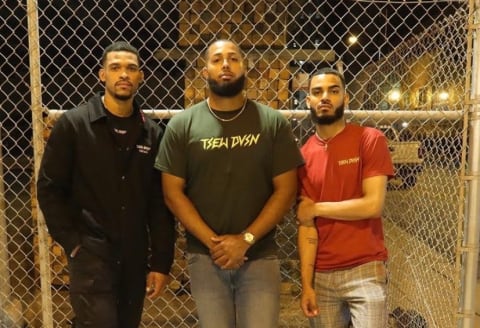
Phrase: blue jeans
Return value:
(248, 297)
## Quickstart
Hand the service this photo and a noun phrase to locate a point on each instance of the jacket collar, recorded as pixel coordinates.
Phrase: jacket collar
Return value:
(96, 109)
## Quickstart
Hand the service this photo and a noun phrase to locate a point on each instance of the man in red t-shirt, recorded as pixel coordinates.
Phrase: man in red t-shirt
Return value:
(340, 237)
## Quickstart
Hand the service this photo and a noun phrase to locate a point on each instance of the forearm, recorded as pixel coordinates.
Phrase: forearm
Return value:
(54, 185)
(161, 225)
(272, 213)
(57, 214)
(184, 210)
(368, 205)
(162, 236)
(277, 205)
(307, 249)
(349, 210)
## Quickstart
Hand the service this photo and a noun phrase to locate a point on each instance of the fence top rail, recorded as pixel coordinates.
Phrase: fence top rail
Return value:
(384, 116)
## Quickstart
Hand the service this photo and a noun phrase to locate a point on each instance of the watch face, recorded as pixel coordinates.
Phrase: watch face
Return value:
(248, 237)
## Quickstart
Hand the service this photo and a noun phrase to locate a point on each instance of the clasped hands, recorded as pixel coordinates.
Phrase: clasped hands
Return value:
(228, 251)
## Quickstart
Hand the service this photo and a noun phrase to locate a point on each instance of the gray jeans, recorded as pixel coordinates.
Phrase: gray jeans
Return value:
(248, 297)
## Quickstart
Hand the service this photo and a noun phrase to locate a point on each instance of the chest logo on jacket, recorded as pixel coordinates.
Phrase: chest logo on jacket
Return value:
(143, 149)
(244, 141)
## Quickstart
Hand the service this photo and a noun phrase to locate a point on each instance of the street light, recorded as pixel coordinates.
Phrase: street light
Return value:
(394, 96)
(443, 96)
(352, 39)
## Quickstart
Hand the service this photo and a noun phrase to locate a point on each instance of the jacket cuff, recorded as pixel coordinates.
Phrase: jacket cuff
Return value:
(161, 262)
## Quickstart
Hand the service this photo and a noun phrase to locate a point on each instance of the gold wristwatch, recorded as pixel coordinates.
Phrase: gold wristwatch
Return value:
(249, 237)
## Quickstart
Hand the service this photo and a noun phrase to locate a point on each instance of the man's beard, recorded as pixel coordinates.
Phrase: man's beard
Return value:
(327, 119)
(227, 89)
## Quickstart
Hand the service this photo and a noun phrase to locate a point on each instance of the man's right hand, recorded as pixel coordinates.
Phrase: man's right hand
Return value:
(229, 251)
(308, 303)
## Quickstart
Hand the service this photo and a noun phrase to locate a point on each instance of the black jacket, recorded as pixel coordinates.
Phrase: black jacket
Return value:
(91, 195)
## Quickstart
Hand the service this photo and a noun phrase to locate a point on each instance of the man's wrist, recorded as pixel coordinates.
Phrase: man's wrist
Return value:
(249, 237)
(317, 210)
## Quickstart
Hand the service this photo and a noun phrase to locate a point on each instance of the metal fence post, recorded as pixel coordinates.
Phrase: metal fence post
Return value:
(36, 102)
(4, 272)
(472, 209)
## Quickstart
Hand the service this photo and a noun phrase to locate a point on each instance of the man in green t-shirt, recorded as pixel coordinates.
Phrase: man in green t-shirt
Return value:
(229, 175)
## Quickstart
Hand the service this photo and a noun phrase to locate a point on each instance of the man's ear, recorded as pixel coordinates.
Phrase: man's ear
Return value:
(205, 73)
(101, 74)
(346, 99)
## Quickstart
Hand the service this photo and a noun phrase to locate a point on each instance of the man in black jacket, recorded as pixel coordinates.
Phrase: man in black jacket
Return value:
(102, 201)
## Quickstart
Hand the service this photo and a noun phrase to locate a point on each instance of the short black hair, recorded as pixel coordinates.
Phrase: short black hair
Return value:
(120, 46)
(328, 70)
(207, 51)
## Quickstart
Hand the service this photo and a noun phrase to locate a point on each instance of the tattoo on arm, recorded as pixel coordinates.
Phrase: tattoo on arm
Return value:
(311, 240)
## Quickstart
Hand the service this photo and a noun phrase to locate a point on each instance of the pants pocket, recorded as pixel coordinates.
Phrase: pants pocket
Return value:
(90, 273)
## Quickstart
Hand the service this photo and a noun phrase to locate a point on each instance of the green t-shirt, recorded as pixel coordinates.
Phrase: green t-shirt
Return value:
(228, 167)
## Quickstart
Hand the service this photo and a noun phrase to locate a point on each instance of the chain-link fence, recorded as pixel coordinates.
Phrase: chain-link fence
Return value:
(407, 68)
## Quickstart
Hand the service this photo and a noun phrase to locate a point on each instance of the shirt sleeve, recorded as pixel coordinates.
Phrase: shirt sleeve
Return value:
(172, 153)
(161, 228)
(286, 154)
(54, 184)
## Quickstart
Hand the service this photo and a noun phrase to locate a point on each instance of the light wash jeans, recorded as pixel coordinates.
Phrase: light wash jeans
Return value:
(248, 297)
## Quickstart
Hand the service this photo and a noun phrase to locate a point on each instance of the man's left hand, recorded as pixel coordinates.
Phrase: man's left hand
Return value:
(229, 251)
(156, 282)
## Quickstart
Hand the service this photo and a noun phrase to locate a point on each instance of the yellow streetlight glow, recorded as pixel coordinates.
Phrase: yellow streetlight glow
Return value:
(352, 39)
(443, 95)
(394, 95)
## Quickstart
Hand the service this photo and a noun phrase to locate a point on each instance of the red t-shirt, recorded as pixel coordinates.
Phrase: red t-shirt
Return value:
(334, 172)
